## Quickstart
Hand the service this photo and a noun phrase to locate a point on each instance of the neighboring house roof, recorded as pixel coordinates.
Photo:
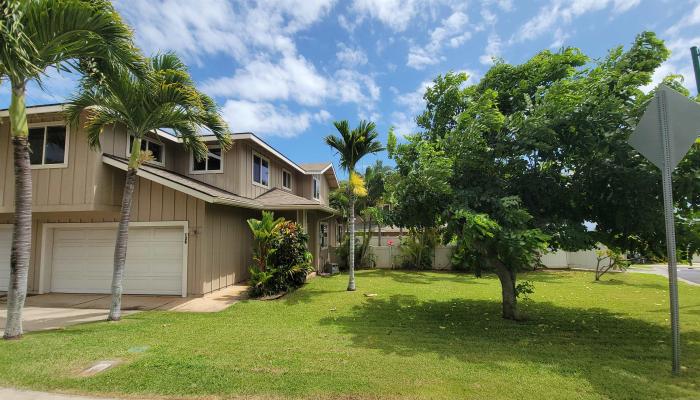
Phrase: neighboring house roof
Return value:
(44, 108)
(212, 194)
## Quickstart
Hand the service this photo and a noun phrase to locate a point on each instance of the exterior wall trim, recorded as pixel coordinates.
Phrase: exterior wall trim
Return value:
(53, 225)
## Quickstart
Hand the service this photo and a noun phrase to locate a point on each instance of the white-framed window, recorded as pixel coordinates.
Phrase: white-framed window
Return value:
(316, 188)
(339, 233)
(286, 179)
(148, 144)
(48, 144)
(323, 235)
(261, 170)
(212, 163)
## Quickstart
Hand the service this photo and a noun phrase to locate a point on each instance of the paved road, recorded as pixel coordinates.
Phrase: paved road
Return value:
(685, 273)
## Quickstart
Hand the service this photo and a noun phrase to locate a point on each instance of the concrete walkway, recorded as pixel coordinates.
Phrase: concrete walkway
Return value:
(14, 394)
(57, 310)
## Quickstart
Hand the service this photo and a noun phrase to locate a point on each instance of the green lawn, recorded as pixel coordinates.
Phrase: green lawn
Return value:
(425, 335)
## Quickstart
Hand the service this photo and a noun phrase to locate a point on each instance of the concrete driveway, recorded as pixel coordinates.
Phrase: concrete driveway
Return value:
(57, 310)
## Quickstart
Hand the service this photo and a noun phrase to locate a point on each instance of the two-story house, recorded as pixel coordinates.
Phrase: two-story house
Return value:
(188, 234)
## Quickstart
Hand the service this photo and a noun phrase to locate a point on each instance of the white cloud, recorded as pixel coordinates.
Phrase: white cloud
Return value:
(492, 49)
(350, 57)
(353, 87)
(678, 63)
(268, 120)
(394, 13)
(451, 32)
(292, 78)
(194, 30)
(403, 124)
(561, 12)
(691, 19)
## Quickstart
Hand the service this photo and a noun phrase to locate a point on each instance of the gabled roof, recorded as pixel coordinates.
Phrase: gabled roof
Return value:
(316, 168)
(270, 200)
(325, 169)
(281, 199)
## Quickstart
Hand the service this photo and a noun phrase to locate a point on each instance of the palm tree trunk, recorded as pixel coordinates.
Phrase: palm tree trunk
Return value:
(22, 229)
(351, 244)
(115, 310)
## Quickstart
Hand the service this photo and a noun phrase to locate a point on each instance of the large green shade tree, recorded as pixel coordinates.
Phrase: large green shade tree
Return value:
(539, 154)
(36, 35)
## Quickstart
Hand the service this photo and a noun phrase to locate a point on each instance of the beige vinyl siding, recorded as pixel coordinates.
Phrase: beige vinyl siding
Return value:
(77, 187)
(230, 244)
(152, 202)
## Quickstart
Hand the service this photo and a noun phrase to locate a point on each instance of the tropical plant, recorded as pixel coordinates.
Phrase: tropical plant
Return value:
(352, 145)
(36, 35)
(288, 260)
(363, 252)
(165, 97)
(264, 233)
(418, 248)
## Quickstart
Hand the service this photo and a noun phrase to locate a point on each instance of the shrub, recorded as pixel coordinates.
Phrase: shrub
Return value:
(363, 255)
(286, 258)
(418, 248)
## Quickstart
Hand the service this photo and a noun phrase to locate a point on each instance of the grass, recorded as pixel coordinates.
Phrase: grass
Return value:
(425, 335)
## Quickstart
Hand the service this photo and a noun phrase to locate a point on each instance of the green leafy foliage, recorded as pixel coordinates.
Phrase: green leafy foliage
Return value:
(418, 248)
(363, 253)
(286, 261)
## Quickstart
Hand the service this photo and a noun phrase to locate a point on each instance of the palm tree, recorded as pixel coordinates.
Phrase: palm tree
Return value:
(352, 145)
(36, 35)
(165, 97)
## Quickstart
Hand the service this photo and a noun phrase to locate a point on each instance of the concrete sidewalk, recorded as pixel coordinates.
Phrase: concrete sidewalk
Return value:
(15, 394)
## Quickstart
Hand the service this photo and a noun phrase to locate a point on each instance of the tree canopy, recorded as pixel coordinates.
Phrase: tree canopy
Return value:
(538, 152)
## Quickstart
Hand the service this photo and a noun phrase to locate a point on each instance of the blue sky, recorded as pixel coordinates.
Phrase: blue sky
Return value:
(285, 69)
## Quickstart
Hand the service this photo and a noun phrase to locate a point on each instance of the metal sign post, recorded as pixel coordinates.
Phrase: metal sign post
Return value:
(664, 135)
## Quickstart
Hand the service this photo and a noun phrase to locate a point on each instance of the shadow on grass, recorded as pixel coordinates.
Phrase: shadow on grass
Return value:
(621, 357)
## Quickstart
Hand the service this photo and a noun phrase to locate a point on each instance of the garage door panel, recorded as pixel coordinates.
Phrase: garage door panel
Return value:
(83, 260)
(5, 247)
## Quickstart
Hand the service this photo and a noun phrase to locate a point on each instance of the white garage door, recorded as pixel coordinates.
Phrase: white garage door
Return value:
(5, 245)
(82, 260)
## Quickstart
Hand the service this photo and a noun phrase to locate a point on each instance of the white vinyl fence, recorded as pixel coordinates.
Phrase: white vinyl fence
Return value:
(388, 257)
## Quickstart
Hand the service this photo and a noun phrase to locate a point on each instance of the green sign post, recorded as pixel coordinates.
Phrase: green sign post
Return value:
(696, 65)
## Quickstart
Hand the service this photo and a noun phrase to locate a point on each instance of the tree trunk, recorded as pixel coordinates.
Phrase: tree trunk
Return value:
(115, 310)
(507, 278)
(379, 234)
(351, 243)
(22, 229)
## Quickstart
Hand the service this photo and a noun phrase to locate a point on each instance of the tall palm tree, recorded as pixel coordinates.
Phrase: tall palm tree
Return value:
(36, 35)
(352, 145)
(165, 97)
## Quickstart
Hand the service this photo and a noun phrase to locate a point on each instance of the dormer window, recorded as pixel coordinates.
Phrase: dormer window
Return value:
(286, 179)
(316, 188)
(148, 144)
(261, 170)
(213, 163)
